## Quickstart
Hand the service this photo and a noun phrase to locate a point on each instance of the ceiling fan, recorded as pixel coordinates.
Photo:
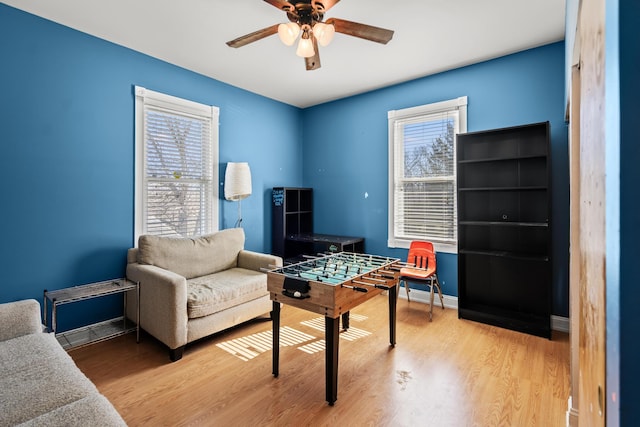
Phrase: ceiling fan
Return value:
(306, 16)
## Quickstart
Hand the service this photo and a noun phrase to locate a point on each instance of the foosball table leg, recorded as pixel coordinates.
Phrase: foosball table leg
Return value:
(275, 315)
(332, 338)
(392, 315)
(345, 321)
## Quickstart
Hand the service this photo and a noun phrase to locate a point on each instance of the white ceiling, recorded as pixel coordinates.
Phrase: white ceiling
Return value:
(430, 36)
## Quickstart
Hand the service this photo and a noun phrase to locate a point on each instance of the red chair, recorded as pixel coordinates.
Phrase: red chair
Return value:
(421, 268)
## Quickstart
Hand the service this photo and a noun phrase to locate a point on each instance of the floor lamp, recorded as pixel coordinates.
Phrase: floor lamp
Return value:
(237, 185)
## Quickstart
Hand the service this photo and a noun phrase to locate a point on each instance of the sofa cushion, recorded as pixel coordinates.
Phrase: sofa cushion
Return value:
(216, 292)
(38, 376)
(94, 410)
(192, 257)
(19, 318)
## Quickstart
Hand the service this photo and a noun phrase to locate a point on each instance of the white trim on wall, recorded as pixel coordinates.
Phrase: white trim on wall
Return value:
(558, 323)
(146, 97)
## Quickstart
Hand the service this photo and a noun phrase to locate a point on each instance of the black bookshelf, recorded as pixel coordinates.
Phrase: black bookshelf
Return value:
(504, 228)
(292, 214)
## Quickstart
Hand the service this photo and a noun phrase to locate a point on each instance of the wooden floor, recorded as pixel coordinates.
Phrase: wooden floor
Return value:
(449, 372)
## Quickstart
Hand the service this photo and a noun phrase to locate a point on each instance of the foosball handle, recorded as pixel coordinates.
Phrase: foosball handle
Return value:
(355, 288)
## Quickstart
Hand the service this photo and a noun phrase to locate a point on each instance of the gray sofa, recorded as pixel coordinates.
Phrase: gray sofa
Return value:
(193, 287)
(40, 385)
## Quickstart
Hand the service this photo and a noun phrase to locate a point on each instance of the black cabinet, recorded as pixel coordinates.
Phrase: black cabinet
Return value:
(292, 214)
(504, 228)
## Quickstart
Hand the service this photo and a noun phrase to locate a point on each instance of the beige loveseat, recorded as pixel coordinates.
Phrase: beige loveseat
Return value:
(40, 385)
(193, 287)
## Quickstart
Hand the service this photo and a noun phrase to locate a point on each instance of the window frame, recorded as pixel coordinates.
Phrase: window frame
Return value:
(423, 111)
(144, 97)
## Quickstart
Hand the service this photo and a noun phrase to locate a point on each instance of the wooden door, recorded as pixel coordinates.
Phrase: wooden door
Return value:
(574, 243)
(592, 255)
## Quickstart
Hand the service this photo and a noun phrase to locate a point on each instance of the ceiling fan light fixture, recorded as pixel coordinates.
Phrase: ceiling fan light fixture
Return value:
(288, 33)
(306, 17)
(305, 47)
(323, 33)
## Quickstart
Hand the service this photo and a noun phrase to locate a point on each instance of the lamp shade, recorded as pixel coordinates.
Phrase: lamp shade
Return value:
(288, 32)
(305, 48)
(323, 33)
(237, 181)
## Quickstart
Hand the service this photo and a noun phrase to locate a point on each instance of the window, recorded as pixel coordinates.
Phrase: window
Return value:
(422, 173)
(176, 166)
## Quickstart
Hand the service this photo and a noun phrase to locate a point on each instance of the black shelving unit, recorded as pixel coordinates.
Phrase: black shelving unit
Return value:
(504, 228)
(292, 214)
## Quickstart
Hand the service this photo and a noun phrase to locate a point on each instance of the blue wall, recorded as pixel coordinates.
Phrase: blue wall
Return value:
(67, 152)
(67, 145)
(346, 148)
(67, 138)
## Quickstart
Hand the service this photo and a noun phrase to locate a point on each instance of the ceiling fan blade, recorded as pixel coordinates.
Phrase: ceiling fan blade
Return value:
(324, 5)
(367, 32)
(313, 62)
(252, 37)
(282, 5)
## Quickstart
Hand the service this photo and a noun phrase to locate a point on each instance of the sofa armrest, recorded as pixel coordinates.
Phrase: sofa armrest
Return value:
(19, 318)
(163, 303)
(257, 261)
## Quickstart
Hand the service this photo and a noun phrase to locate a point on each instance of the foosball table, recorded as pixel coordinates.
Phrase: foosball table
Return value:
(332, 285)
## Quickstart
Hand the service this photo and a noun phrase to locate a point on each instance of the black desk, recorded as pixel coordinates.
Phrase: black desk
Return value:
(314, 243)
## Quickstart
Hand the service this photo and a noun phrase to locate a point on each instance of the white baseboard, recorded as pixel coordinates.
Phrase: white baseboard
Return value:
(572, 414)
(558, 323)
(419, 295)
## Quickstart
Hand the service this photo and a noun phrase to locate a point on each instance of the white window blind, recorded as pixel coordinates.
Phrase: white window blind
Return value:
(422, 173)
(176, 166)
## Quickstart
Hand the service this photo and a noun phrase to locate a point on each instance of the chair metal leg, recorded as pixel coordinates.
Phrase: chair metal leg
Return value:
(406, 287)
(437, 282)
(431, 302)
